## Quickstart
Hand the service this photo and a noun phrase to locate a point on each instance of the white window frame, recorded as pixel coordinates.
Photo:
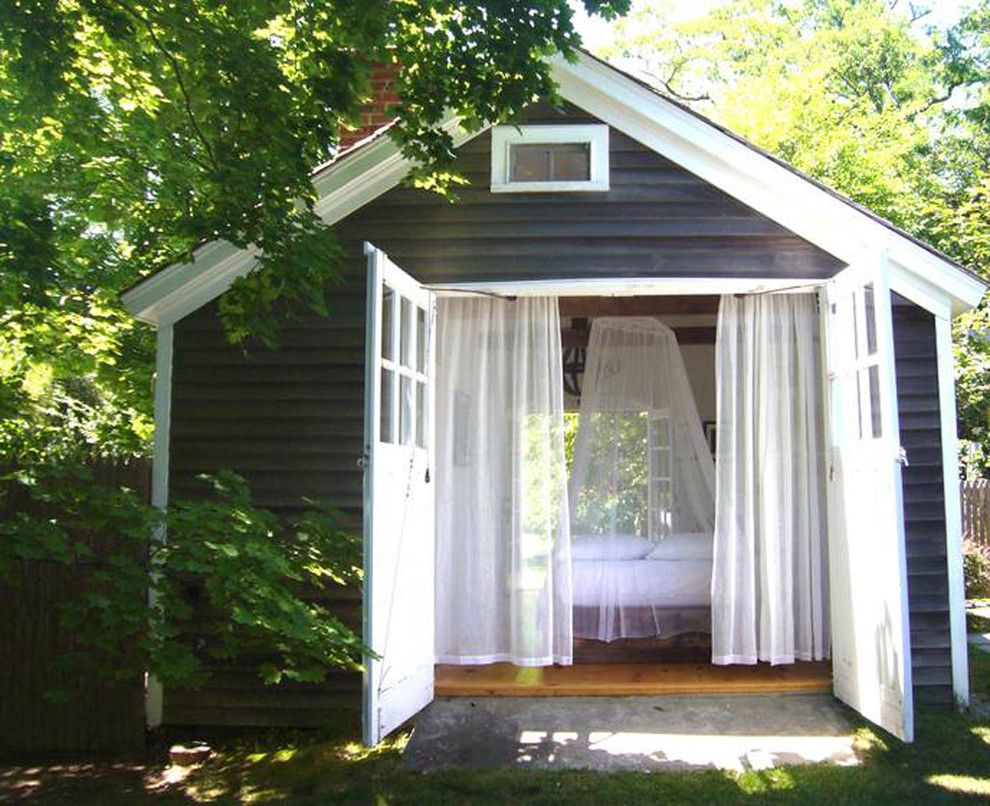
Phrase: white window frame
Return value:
(594, 135)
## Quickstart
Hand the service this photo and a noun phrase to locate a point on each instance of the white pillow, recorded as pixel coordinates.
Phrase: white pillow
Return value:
(609, 547)
(683, 546)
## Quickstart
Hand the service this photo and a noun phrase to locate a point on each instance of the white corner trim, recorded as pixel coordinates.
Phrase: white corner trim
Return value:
(749, 176)
(154, 694)
(163, 412)
(953, 510)
(594, 135)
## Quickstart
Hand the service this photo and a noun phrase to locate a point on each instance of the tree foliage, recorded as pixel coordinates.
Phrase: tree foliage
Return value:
(131, 130)
(866, 96)
(232, 581)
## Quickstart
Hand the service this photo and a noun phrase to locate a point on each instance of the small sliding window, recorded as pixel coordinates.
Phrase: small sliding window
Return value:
(532, 159)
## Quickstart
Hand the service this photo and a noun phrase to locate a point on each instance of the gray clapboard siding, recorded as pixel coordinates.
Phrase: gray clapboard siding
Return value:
(657, 220)
(924, 502)
(291, 421)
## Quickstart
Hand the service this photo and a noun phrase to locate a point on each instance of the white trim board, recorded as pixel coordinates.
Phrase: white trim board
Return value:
(154, 693)
(627, 287)
(594, 135)
(953, 510)
(699, 146)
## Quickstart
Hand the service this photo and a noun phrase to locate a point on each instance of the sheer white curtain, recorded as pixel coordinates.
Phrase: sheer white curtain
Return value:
(641, 462)
(503, 589)
(642, 489)
(769, 599)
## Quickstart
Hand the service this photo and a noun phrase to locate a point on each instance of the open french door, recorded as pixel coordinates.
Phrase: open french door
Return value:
(871, 657)
(398, 498)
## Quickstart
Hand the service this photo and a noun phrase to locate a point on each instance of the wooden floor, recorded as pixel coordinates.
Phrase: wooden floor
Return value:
(617, 679)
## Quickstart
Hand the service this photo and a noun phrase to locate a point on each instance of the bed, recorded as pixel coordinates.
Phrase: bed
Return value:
(625, 586)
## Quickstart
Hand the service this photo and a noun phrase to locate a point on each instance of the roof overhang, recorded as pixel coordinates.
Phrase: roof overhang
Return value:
(800, 204)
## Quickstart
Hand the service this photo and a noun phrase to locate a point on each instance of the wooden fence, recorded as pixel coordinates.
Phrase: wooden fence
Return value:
(105, 719)
(976, 511)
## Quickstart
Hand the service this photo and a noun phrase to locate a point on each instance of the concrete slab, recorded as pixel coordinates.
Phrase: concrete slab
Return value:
(738, 732)
(980, 640)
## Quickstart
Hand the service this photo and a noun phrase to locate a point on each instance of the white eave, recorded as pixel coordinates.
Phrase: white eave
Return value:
(758, 180)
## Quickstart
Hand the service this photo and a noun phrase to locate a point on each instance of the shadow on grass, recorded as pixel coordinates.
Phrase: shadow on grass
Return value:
(949, 762)
(82, 782)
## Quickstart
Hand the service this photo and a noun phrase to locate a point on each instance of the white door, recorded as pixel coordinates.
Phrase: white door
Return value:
(398, 498)
(871, 658)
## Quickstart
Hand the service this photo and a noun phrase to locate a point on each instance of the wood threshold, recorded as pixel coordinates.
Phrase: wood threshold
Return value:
(629, 679)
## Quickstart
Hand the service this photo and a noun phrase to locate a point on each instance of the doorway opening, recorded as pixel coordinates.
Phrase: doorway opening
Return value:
(641, 624)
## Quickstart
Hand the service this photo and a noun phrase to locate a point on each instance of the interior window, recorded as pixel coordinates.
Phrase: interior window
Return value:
(661, 480)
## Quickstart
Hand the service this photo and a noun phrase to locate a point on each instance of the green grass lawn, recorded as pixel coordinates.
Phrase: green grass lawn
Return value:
(949, 762)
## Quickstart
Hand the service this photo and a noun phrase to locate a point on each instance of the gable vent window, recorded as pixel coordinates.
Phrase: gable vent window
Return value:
(527, 159)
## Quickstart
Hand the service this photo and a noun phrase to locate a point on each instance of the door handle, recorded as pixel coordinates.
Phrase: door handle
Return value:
(362, 463)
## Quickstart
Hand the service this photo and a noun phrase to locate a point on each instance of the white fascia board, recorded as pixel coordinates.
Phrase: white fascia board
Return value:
(920, 290)
(151, 299)
(751, 177)
(626, 287)
(341, 189)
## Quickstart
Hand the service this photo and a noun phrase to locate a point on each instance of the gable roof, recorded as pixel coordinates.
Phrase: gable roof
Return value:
(803, 205)
(806, 177)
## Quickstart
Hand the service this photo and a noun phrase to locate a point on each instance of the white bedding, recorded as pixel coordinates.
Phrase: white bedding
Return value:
(642, 583)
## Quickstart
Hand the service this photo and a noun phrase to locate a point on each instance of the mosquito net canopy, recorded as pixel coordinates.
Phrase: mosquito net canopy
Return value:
(642, 466)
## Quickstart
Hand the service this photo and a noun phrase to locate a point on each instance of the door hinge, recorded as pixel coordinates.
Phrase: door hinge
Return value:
(902, 456)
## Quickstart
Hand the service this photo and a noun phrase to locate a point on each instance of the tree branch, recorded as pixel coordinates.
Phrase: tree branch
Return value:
(938, 99)
(177, 72)
(667, 85)
(917, 13)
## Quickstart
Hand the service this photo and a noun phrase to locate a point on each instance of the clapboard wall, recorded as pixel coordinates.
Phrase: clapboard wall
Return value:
(291, 421)
(657, 220)
(924, 502)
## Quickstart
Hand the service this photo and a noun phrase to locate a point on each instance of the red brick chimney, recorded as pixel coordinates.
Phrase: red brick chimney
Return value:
(373, 114)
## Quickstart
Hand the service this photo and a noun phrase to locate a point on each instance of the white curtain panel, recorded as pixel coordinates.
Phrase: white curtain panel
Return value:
(503, 572)
(769, 583)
